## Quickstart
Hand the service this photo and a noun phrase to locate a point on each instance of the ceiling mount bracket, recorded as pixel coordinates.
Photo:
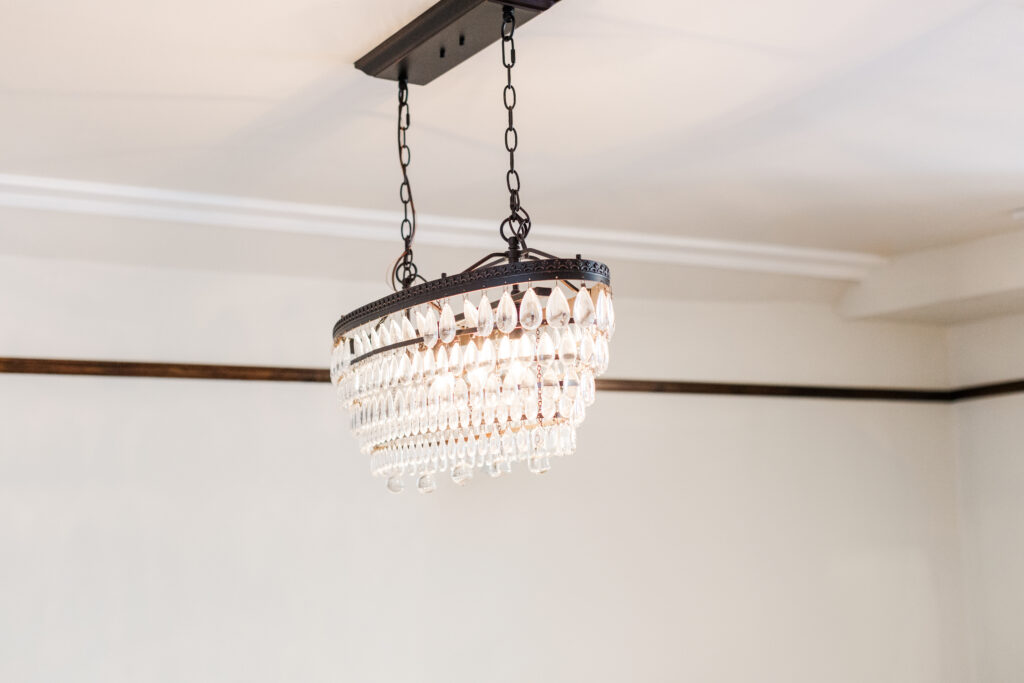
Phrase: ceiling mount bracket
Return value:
(443, 37)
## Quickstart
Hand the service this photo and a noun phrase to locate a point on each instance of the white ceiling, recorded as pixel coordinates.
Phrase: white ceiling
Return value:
(877, 126)
(872, 125)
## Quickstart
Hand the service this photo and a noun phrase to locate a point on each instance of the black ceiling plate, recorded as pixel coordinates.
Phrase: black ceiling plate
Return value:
(444, 36)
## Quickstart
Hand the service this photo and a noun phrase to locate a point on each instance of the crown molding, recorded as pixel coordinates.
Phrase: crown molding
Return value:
(150, 203)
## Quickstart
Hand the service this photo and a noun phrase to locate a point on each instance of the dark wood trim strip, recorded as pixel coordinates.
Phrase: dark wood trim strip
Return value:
(49, 366)
(985, 390)
(263, 373)
(781, 390)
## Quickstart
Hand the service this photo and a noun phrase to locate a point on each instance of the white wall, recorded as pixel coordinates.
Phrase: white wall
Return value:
(75, 309)
(169, 530)
(987, 351)
(991, 474)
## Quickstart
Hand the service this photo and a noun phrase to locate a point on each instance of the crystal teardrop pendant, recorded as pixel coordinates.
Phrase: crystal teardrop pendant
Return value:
(416, 366)
(558, 308)
(583, 308)
(524, 352)
(611, 318)
(461, 474)
(491, 391)
(426, 484)
(587, 387)
(602, 314)
(427, 325)
(601, 356)
(460, 392)
(586, 348)
(504, 351)
(446, 326)
(485, 359)
(530, 312)
(567, 348)
(408, 331)
(455, 359)
(540, 464)
(469, 313)
(505, 318)
(485, 318)
(545, 348)
(469, 356)
(570, 383)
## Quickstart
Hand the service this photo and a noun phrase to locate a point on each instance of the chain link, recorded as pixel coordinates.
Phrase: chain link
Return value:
(404, 272)
(516, 227)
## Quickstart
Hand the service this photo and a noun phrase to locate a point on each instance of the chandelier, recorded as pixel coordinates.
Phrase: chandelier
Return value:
(480, 370)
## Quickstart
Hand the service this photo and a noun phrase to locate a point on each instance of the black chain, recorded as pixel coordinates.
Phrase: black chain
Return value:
(405, 272)
(516, 227)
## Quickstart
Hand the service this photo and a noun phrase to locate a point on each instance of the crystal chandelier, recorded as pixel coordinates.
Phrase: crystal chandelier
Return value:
(479, 370)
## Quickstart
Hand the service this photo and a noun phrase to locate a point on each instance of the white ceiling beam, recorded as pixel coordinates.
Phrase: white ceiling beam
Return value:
(966, 281)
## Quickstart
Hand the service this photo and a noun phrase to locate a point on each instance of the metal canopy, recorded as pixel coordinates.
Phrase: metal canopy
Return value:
(443, 37)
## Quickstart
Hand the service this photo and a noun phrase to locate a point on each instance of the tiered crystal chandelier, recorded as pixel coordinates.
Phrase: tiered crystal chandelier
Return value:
(479, 370)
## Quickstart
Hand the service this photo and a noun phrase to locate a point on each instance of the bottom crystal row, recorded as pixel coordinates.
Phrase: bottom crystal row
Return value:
(422, 458)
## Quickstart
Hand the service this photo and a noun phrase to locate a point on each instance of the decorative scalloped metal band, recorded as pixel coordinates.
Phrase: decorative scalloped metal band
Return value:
(473, 281)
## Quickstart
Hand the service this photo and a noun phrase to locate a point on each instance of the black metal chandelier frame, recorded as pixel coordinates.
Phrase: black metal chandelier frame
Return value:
(440, 38)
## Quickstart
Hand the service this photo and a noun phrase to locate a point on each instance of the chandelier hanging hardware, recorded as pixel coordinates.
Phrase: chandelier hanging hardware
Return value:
(441, 38)
(488, 367)
(404, 273)
(516, 227)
